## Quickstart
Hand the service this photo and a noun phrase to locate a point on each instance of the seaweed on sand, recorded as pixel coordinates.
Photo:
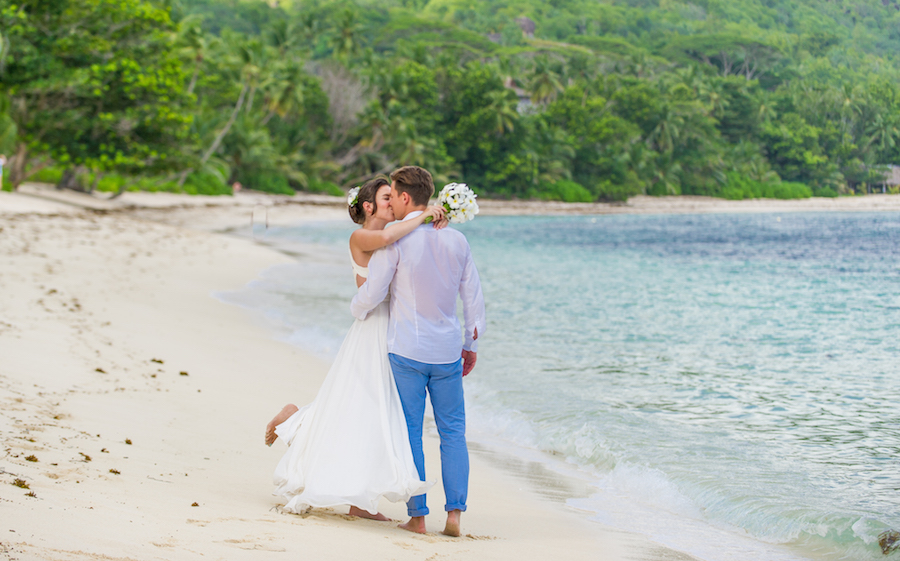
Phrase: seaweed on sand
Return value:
(889, 540)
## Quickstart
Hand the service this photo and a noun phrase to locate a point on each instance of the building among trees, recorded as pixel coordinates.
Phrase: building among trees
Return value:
(891, 178)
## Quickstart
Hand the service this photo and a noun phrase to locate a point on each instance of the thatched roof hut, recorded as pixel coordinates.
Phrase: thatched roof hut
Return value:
(892, 176)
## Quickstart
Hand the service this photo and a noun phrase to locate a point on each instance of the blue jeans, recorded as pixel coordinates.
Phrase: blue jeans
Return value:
(444, 385)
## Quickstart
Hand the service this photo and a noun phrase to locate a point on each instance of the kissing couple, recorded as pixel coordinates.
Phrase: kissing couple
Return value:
(361, 438)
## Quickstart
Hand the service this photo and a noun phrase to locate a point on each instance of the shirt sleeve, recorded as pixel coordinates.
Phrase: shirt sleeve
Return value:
(473, 302)
(382, 267)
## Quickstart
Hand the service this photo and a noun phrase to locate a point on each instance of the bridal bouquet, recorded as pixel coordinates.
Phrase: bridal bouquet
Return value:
(459, 202)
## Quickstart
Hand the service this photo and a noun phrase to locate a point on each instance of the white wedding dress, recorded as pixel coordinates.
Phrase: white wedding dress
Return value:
(350, 446)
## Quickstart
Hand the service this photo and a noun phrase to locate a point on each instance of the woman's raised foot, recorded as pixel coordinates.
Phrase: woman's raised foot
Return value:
(281, 417)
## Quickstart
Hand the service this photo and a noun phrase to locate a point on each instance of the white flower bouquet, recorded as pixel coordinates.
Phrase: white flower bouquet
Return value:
(459, 202)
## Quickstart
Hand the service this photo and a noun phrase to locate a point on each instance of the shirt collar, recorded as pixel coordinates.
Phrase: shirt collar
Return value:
(412, 215)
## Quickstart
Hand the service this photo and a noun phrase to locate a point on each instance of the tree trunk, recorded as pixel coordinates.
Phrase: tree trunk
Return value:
(70, 179)
(250, 101)
(122, 188)
(726, 64)
(97, 176)
(17, 174)
(224, 131)
(17, 166)
(183, 176)
(221, 136)
(193, 83)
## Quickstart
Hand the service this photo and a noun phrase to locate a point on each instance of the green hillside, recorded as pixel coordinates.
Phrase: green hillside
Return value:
(573, 100)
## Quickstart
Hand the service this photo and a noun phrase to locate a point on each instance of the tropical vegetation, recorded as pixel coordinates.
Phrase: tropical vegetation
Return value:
(576, 100)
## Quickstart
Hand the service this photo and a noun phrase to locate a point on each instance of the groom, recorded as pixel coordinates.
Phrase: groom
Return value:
(425, 271)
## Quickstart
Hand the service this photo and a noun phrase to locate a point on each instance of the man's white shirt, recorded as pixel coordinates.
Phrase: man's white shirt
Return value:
(424, 271)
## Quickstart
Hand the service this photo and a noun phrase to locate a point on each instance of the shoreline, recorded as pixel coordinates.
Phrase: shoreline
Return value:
(221, 213)
(135, 402)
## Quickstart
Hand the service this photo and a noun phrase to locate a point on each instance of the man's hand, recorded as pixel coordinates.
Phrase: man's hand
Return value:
(469, 359)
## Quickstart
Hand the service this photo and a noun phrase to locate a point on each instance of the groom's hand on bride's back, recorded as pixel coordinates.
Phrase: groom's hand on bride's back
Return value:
(469, 359)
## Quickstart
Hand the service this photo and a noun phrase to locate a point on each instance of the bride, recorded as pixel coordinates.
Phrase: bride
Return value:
(350, 445)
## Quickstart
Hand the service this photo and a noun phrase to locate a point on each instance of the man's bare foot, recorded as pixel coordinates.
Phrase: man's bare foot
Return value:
(416, 524)
(452, 526)
(366, 514)
(281, 417)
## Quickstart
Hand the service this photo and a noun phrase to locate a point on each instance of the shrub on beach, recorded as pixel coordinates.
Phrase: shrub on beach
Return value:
(608, 191)
(50, 174)
(566, 191)
(824, 192)
(738, 187)
(196, 183)
(326, 187)
(267, 182)
(200, 183)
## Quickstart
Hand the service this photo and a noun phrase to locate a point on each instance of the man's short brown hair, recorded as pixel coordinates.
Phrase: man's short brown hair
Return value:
(415, 181)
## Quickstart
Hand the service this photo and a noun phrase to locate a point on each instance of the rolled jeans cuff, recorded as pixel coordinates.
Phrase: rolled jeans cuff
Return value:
(459, 507)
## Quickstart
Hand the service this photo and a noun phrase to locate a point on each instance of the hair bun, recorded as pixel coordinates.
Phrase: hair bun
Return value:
(364, 194)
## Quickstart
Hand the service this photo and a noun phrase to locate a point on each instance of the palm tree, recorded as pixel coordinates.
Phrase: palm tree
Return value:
(246, 58)
(193, 42)
(544, 83)
(715, 100)
(412, 148)
(667, 174)
(345, 42)
(851, 106)
(284, 90)
(282, 34)
(639, 65)
(502, 109)
(665, 135)
(692, 77)
(508, 71)
(883, 132)
(250, 56)
(581, 67)
(555, 159)
(768, 107)
(309, 27)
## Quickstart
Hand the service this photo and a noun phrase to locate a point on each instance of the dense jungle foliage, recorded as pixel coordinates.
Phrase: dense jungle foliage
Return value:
(576, 100)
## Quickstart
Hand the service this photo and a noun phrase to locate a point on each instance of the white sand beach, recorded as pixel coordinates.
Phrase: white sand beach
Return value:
(134, 403)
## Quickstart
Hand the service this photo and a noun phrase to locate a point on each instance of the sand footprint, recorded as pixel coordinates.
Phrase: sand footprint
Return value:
(250, 544)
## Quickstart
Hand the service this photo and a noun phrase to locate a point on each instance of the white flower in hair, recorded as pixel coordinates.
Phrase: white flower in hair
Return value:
(353, 196)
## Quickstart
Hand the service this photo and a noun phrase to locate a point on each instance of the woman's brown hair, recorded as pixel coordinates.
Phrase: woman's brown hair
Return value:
(367, 194)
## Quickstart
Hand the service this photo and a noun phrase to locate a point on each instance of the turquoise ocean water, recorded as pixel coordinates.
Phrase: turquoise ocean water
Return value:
(728, 383)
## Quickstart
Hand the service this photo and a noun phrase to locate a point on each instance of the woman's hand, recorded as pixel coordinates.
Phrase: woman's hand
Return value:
(438, 215)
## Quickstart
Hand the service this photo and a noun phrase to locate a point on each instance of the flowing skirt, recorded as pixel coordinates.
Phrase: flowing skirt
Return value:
(350, 446)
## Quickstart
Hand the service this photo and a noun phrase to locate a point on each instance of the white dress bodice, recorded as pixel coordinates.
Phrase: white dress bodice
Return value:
(357, 269)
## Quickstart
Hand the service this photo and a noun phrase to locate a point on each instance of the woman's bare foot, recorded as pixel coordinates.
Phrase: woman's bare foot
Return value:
(281, 417)
(452, 526)
(416, 524)
(366, 514)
